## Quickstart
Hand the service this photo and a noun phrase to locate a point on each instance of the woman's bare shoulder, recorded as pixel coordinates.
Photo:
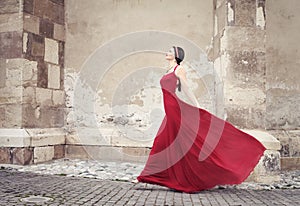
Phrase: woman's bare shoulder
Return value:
(180, 70)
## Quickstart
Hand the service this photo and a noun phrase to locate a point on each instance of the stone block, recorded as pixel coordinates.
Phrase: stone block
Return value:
(247, 68)
(62, 2)
(245, 116)
(58, 97)
(10, 22)
(2, 116)
(266, 138)
(42, 74)
(61, 60)
(135, 154)
(76, 152)
(118, 139)
(59, 32)
(40, 8)
(90, 136)
(51, 117)
(35, 47)
(289, 141)
(28, 6)
(294, 142)
(46, 28)
(59, 151)
(51, 51)
(29, 95)
(56, 12)
(14, 77)
(216, 47)
(260, 14)
(29, 74)
(31, 23)
(267, 170)
(107, 153)
(13, 116)
(245, 13)
(9, 6)
(22, 156)
(282, 109)
(243, 39)
(43, 154)
(43, 97)
(46, 137)
(31, 115)
(2, 74)
(4, 155)
(11, 95)
(245, 97)
(11, 44)
(221, 17)
(54, 76)
(25, 41)
(14, 138)
(95, 152)
(290, 163)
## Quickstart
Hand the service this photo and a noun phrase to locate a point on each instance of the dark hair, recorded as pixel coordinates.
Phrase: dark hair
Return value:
(179, 54)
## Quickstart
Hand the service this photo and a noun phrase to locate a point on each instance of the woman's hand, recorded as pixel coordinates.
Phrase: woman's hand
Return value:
(181, 74)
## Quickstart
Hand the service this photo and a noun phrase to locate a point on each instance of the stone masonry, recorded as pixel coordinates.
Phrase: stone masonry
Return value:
(257, 86)
(31, 84)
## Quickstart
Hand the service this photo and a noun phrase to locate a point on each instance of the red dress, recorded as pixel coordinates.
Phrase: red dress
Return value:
(195, 150)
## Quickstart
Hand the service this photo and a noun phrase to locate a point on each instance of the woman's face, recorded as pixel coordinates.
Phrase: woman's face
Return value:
(170, 55)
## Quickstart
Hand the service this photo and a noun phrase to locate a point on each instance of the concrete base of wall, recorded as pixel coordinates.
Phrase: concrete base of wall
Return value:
(268, 168)
(28, 146)
(107, 153)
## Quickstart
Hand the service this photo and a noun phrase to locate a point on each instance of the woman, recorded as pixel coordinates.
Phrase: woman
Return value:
(194, 150)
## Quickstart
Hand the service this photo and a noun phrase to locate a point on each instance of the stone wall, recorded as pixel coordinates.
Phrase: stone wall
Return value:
(239, 59)
(115, 102)
(258, 63)
(282, 75)
(31, 89)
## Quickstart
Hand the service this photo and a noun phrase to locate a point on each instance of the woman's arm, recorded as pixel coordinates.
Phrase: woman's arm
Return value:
(180, 73)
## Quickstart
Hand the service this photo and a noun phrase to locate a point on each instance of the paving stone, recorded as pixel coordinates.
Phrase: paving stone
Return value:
(22, 181)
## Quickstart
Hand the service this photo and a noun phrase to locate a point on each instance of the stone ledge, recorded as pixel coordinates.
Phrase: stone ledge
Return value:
(14, 138)
(268, 140)
(107, 153)
(104, 137)
(31, 137)
(267, 170)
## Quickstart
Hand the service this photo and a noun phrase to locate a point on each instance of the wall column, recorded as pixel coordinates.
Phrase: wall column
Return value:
(31, 81)
(239, 60)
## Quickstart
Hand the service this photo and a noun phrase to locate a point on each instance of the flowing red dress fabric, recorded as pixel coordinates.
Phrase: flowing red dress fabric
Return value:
(195, 150)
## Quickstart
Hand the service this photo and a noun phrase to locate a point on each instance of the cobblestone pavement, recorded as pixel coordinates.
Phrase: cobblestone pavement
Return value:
(16, 186)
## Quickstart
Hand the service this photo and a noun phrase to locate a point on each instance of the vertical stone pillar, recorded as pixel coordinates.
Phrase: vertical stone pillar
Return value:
(239, 57)
(31, 80)
(239, 61)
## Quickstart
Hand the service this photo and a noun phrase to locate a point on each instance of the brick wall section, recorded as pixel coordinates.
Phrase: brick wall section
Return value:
(44, 43)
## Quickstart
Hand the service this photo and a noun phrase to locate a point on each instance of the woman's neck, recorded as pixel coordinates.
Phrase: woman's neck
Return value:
(172, 64)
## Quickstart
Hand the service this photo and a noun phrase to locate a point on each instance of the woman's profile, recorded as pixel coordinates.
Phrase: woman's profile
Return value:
(193, 149)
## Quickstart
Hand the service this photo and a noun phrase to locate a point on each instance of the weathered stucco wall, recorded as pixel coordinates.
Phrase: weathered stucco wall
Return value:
(282, 76)
(239, 59)
(127, 98)
(283, 63)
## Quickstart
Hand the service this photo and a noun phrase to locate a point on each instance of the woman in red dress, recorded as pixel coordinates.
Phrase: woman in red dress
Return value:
(193, 149)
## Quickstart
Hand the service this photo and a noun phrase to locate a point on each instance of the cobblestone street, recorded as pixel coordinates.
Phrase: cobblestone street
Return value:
(16, 186)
